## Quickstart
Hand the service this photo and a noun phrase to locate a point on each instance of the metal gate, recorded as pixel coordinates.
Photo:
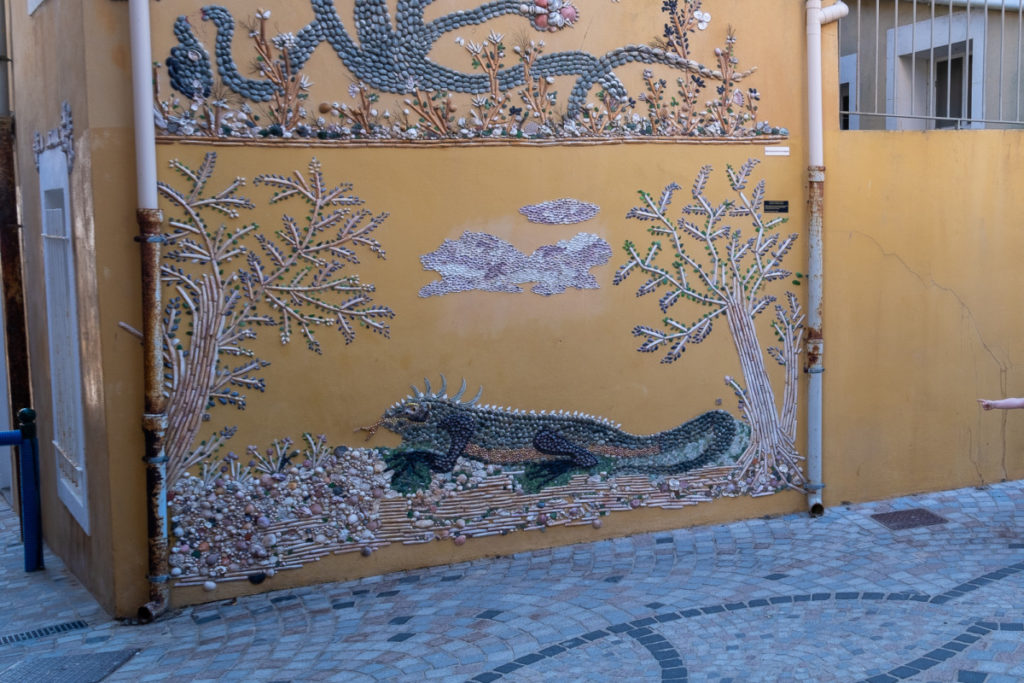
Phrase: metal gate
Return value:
(931, 64)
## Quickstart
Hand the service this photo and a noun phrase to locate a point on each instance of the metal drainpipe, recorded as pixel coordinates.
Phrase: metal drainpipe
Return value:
(154, 421)
(815, 343)
(150, 221)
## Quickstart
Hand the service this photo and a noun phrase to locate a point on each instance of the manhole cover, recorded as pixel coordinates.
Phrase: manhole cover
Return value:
(908, 519)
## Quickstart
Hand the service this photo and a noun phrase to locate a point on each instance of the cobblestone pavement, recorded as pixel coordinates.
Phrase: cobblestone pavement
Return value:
(840, 598)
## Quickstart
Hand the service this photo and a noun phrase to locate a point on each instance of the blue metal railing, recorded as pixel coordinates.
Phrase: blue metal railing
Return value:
(28, 465)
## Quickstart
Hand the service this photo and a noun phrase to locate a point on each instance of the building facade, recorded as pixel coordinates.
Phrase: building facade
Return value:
(446, 280)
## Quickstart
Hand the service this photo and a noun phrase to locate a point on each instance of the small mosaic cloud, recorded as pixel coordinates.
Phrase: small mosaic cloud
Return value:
(479, 261)
(560, 212)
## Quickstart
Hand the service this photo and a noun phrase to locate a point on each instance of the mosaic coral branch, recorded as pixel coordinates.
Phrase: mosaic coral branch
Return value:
(222, 307)
(730, 281)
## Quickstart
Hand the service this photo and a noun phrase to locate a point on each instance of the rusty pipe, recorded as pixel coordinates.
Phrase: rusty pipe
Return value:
(815, 340)
(814, 360)
(154, 420)
(150, 238)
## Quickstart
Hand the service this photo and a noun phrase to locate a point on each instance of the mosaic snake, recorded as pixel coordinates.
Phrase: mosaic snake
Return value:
(393, 56)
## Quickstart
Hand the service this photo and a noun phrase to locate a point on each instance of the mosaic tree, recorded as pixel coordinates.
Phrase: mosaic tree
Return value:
(714, 267)
(224, 283)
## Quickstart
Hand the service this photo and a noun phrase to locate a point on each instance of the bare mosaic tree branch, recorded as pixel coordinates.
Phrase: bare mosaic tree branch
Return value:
(223, 289)
(714, 267)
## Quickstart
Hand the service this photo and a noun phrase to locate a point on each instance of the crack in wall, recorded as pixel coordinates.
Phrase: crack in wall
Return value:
(930, 283)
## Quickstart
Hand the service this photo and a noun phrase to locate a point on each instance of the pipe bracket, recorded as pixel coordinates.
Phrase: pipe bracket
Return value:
(814, 487)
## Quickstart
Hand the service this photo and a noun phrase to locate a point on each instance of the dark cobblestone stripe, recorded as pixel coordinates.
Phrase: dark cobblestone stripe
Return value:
(201, 618)
(547, 652)
(638, 627)
(976, 583)
(667, 656)
(973, 634)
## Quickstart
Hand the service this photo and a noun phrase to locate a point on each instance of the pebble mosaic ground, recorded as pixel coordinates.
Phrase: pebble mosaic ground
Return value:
(840, 598)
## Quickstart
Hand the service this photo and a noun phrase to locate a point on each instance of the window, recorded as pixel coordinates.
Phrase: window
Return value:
(63, 335)
(931, 76)
(848, 93)
(952, 96)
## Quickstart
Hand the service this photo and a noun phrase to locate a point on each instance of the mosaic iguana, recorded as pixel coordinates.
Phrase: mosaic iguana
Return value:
(437, 429)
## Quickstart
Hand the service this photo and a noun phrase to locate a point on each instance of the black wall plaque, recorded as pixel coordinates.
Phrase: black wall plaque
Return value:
(776, 206)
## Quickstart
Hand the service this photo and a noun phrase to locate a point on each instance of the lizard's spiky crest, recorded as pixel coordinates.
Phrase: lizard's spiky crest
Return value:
(442, 393)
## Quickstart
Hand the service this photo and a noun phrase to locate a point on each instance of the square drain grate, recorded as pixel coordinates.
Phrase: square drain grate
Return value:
(908, 519)
(86, 668)
(42, 632)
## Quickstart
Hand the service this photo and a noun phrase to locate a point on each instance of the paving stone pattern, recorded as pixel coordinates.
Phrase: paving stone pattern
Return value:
(840, 598)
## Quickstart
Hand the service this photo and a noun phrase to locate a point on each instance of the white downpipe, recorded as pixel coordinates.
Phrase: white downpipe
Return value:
(142, 101)
(5, 60)
(816, 18)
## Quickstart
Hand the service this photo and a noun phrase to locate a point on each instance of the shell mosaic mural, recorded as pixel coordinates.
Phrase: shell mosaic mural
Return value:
(564, 211)
(715, 267)
(463, 469)
(221, 292)
(479, 261)
(390, 86)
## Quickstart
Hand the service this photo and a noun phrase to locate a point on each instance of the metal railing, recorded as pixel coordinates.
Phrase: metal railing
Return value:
(927, 64)
(28, 478)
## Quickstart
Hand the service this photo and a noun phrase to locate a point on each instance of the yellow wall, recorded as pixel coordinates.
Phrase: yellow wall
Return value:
(67, 51)
(921, 269)
(570, 351)
(922, 314)
(913, 334)
(526, 350)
